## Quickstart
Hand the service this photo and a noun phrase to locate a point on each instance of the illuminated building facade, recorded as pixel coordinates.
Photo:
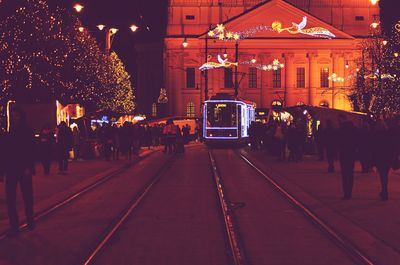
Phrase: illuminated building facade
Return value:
(316, 44)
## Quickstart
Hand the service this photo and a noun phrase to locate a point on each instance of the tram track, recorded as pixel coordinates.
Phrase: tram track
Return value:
(235, 231)
(342, 242)
(233, 235)
(124, 215)
(78, 194)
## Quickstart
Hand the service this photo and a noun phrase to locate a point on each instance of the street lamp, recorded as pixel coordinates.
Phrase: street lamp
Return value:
(134, 28)
(78, 7)
(373, 2)
(185, 43)
(101, 27)
(375, 22)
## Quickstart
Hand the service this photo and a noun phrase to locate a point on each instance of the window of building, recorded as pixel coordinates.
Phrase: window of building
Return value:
(324, 77)
(154, 110)
(324, 104)
(228, 75)
(301, 77)
(190, 77)
(252, 77)
(190, 112)
(276, 78)
(190, 17)
(359, 18)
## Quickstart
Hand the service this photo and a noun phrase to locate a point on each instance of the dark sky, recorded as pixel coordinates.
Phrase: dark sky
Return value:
(122, 14)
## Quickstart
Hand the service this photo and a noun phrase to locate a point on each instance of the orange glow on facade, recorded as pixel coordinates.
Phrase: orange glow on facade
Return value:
(302, 56)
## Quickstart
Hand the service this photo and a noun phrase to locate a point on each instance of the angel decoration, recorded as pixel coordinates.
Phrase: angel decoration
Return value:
(300, 29)
(213, 65)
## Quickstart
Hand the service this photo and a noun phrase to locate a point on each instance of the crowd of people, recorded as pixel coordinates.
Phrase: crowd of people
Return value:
(374, 144)
(21, 149)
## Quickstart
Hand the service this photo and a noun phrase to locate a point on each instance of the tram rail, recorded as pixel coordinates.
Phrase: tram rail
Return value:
(78, 194)
(341, 241)
(235, 243)
(125, 214)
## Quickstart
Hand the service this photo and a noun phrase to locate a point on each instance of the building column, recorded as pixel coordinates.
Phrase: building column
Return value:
(313, 79)
(338, 69)
(289, 77)
(264, 57)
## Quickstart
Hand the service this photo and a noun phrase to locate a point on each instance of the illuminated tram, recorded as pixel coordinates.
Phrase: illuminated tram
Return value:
(226, 119)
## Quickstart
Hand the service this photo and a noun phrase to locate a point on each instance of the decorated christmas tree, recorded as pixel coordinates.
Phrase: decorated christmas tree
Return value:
(46, 55)
(377, 84)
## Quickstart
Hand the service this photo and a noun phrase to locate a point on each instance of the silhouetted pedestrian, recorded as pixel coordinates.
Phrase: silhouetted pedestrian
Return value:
(169, 133)
(46, 141)
(319, 141)
(280, 142)
(347, 148)
(18, 161)
(64, 145)
(365, 148)
(330, 143)
(383, 154)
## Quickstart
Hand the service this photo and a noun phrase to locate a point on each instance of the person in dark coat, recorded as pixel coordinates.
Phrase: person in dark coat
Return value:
(64, 145)
(169, 134)
(365, 152)
(18, 167)
(347, 148)
(330, 142)
(319, 141)
(383, 154)
(46, 140)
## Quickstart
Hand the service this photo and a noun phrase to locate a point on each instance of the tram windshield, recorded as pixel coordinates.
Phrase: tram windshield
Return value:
(221, 114)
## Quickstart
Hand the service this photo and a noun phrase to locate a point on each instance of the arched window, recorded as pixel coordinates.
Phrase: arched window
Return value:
(324, 104)
(300, 103)
(276, 103)
(154, 110)
(190, 112)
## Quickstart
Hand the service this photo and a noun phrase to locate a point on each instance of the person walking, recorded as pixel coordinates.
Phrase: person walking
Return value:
(18, 167)
(347, 148)
(383, 154)
(169, 133)
(365, 152)
(46, 140)
(330, 142)
(64, 144)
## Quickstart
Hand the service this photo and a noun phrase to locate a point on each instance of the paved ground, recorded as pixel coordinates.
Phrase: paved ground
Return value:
(53, 188)
(372, 224)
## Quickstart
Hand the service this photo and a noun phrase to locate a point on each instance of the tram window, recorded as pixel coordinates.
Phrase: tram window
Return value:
(221, 115)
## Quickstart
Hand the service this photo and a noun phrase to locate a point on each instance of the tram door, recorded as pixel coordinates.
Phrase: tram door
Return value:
(239, 120)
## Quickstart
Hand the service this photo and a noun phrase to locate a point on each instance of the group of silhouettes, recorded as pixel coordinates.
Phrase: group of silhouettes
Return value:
(375, 144)
(21, 149)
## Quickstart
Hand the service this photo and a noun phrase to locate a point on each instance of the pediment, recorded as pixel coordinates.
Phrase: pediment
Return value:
(279, 19)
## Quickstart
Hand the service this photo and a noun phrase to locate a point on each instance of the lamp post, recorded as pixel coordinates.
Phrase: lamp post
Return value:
(236, 68)
(206, 71)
